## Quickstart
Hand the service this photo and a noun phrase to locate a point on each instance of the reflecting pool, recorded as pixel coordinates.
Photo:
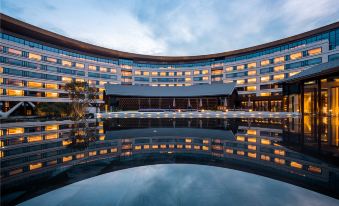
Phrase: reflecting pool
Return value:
(151, 161)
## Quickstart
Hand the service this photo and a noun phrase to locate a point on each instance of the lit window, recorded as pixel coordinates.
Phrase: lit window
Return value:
(52, 95)
(154, 73)
(35, 166)
(51, 127)
(15, 131)
(34, 56)
(205, 148)
(66, 79)
(52, 60)
(179, 73)
(188, 79)
(196, 147)
(279, 152)
(251, 132)
(204, 71)
(66, 142)
(205, 78)
(279, 161)
(12, 92)
(79, 80)
(66, 63)
(250, 73)
(35, 84)
(296, 56)
(103, 151)
(51, 136)
(171, 146)
(114, 150)
(251, 88)
(265, 78)
(240, 138)
(279, 76)
(113, 70)
(252, 155)
(229, 151)
(296, 165)
(14, 51)
(205, 141)
(187, 140)
(79, 65)
(265, 94)
(188, 146)
(252, 80)
(35, 138)
(79, 156)
(279, 59)
(187, 73)
(138, 147)
(51, 86)
(240, 81)
(162, 74)
(279, 68)
(265, 141)
(239, 152)
(251, 65)
(92, 153)
(92, 68)
(67, 158)
(314, 51)
(293, 73)
(163, 146)
(229, 69)
(240, 67)
(314, 169)
(252, 147)
(196, 72)
(146, 73)
(265, 62)
(252, 139)
(265, 157)
(155, 146)
(179, 146)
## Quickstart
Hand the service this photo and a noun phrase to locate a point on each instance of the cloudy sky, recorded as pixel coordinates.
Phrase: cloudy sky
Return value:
(173, 27)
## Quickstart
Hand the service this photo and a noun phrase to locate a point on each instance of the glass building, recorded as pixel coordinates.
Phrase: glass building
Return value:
(35, 64)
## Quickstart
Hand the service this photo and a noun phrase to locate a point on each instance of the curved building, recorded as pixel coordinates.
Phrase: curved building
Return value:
(35, 64)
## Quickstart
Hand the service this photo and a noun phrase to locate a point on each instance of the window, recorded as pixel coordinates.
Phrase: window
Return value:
(296, 56)
(35, 84)
(18, 130)
(279, 68)
(66, 79)
(250, 73)
(251, 88)
(240, 81)
(34, 56)
(252, 155)
(296, 165)
(51, 86)
(52, 60)
(279, 152)
(14, 51)
(294, 73)
(92, 68)
(51, 127)
(12, 92)
(229, 69)
(279, 59)
(251, 65)
(265, 141)
(79, 65)
(279, 76)
(265, 94)
(66, 63)
(67, 158)
(113, 70)
(35, 166)
(314, 51)
(205, 78)
(240, 67)
(137, 72)
(265, 157)
(103, 69)
(265, 62)
(188, 79)
(252, 80)
(204, 71)
(187, 73)
(265, 78)
(154, 73)
(196, 72)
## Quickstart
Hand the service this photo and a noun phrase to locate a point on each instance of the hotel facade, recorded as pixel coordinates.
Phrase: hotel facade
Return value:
(35, 64)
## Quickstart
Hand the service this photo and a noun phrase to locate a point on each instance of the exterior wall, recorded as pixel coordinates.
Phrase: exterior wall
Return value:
(253, 77)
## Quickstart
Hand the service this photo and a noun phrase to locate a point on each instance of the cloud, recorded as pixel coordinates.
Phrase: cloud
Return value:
(175, 27)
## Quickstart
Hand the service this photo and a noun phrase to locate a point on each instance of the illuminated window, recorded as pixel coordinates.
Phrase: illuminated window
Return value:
(66, 142)
(52, 60)
(188, 146)
(66, 63)
(14, 51)
(163, 146)
(51, 127)
(103, 151)
(113, 70)
(15, 131)
(279, 152)
(278, 76)
(171, 74)
(314, 51)
(205, 148)
(240, 138)
(114, 150)
(250, 73)
(204, 71)
(171, 146)
(146, 146)
(265, 62)
(205, 141)
(251, 88)
(251, 65)
(252, 132)
(92, 153)
(240, 81)
(205, 78)
(265, 94)
(279, 161)
(252, 80)
(154, 73)
(279, 59)
(52, 94)
(35, 138)
(188, 140)
(188, 79)
(314, 169)
(293, 73)
(265, 157)
(252, 155)
(187, 73)
(240, 67)
(79, 65)
(67, 158)
(155, 146)
(66, 79)
(252, 139)
(51, 86)
(265, 78)
(196, 147)
(229, 151)
(296, 56)
(102, 83)
(296, 165)
(79, 156)
(12, 92)
(229, 69)
(179, 73)
(138, 147)
(35, 166)
(252, 147)
(179, 146)
(34, 56)
(279, 68)
(92, 68)
(239, 152)
(265, 141)
(162, 74)
(51, 136)
(79, 80)
(35, 84)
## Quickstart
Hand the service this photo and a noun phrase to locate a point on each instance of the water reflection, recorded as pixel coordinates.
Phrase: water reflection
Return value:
(37, 157)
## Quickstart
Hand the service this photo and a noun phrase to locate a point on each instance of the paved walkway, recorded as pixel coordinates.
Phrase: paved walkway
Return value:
(205, 114)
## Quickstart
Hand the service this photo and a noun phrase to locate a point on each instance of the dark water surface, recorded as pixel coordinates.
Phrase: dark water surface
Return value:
(171, 162)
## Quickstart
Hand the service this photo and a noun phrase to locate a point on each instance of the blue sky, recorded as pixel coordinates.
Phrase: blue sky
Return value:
(172, 27)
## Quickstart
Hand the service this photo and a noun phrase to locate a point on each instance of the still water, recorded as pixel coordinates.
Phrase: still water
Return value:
(171, 162)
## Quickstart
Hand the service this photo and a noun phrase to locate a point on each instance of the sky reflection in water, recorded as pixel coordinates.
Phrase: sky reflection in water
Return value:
(181, 184)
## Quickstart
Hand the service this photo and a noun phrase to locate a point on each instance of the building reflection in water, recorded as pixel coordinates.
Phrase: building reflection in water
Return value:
(37, 157)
